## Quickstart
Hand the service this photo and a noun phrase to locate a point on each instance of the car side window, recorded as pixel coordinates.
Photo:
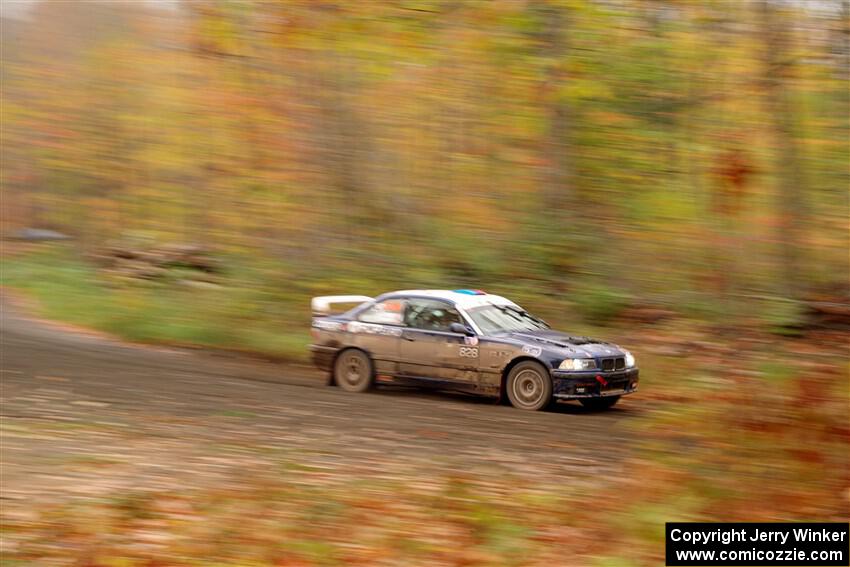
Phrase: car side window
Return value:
(430, 315)
(387, 312)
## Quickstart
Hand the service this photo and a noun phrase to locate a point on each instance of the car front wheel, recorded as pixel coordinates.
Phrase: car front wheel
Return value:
(597, 404)
(353, 371)
(529, 386)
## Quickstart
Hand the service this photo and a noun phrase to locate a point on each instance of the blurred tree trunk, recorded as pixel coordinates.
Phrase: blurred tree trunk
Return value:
(844, 40)
(348, 139)
(778, 68)
(557, 184)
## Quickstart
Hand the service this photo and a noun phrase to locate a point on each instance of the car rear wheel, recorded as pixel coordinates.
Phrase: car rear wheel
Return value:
(529, 386)
(353, 371)
(597, 404)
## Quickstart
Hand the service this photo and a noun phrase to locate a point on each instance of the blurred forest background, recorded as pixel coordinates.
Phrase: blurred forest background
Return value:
(583, 156)
(675, 171)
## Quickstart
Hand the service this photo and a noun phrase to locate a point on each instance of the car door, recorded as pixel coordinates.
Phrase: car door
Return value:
(429, 350)
(378, 331)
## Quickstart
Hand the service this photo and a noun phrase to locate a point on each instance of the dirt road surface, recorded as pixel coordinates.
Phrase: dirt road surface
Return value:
(85, 416)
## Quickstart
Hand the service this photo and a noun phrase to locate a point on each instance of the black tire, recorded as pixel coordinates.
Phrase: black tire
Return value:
(529, 386)
(353, 371)
(599, 404)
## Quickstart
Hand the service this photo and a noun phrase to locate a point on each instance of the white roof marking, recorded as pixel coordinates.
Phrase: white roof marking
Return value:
(463, 300)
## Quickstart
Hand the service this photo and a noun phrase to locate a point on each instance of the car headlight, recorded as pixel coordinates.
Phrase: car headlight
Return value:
(630, 359)
(578, 364)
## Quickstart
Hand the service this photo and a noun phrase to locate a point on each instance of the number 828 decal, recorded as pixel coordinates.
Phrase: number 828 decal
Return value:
(468, 352)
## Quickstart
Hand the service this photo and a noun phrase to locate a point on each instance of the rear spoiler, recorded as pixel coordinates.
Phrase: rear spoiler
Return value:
(322, 305)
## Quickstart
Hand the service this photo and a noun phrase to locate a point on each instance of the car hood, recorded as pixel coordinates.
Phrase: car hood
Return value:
(574, 345)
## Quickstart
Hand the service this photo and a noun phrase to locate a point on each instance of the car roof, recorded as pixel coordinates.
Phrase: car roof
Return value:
(465, 299)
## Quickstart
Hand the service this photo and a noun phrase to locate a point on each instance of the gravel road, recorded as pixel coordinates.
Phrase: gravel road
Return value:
(85, 415)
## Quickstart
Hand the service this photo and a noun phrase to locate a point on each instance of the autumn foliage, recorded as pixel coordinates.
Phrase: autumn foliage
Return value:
(675, 172)
(631, 146)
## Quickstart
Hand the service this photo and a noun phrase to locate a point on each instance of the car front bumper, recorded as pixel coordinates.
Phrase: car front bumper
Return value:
(568, 385)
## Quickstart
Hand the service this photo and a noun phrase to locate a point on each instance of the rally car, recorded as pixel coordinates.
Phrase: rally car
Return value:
(465, 340)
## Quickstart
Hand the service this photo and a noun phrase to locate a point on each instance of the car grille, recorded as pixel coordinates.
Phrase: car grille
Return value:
(609, 364)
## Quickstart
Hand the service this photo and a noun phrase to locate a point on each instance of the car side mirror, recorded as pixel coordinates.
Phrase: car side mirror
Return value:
(460, 328)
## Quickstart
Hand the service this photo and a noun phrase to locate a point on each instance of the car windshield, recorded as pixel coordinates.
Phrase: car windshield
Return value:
(494, 319)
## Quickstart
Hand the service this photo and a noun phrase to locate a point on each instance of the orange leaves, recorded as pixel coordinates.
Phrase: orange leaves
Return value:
(732, 172)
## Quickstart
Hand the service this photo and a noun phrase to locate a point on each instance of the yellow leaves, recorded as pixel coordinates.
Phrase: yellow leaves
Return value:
(475, 211)
(216, 34)
(610, 118)
(581, 88)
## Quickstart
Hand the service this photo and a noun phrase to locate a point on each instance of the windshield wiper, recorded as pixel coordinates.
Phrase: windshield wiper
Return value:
(521, 315)
(528, 315)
